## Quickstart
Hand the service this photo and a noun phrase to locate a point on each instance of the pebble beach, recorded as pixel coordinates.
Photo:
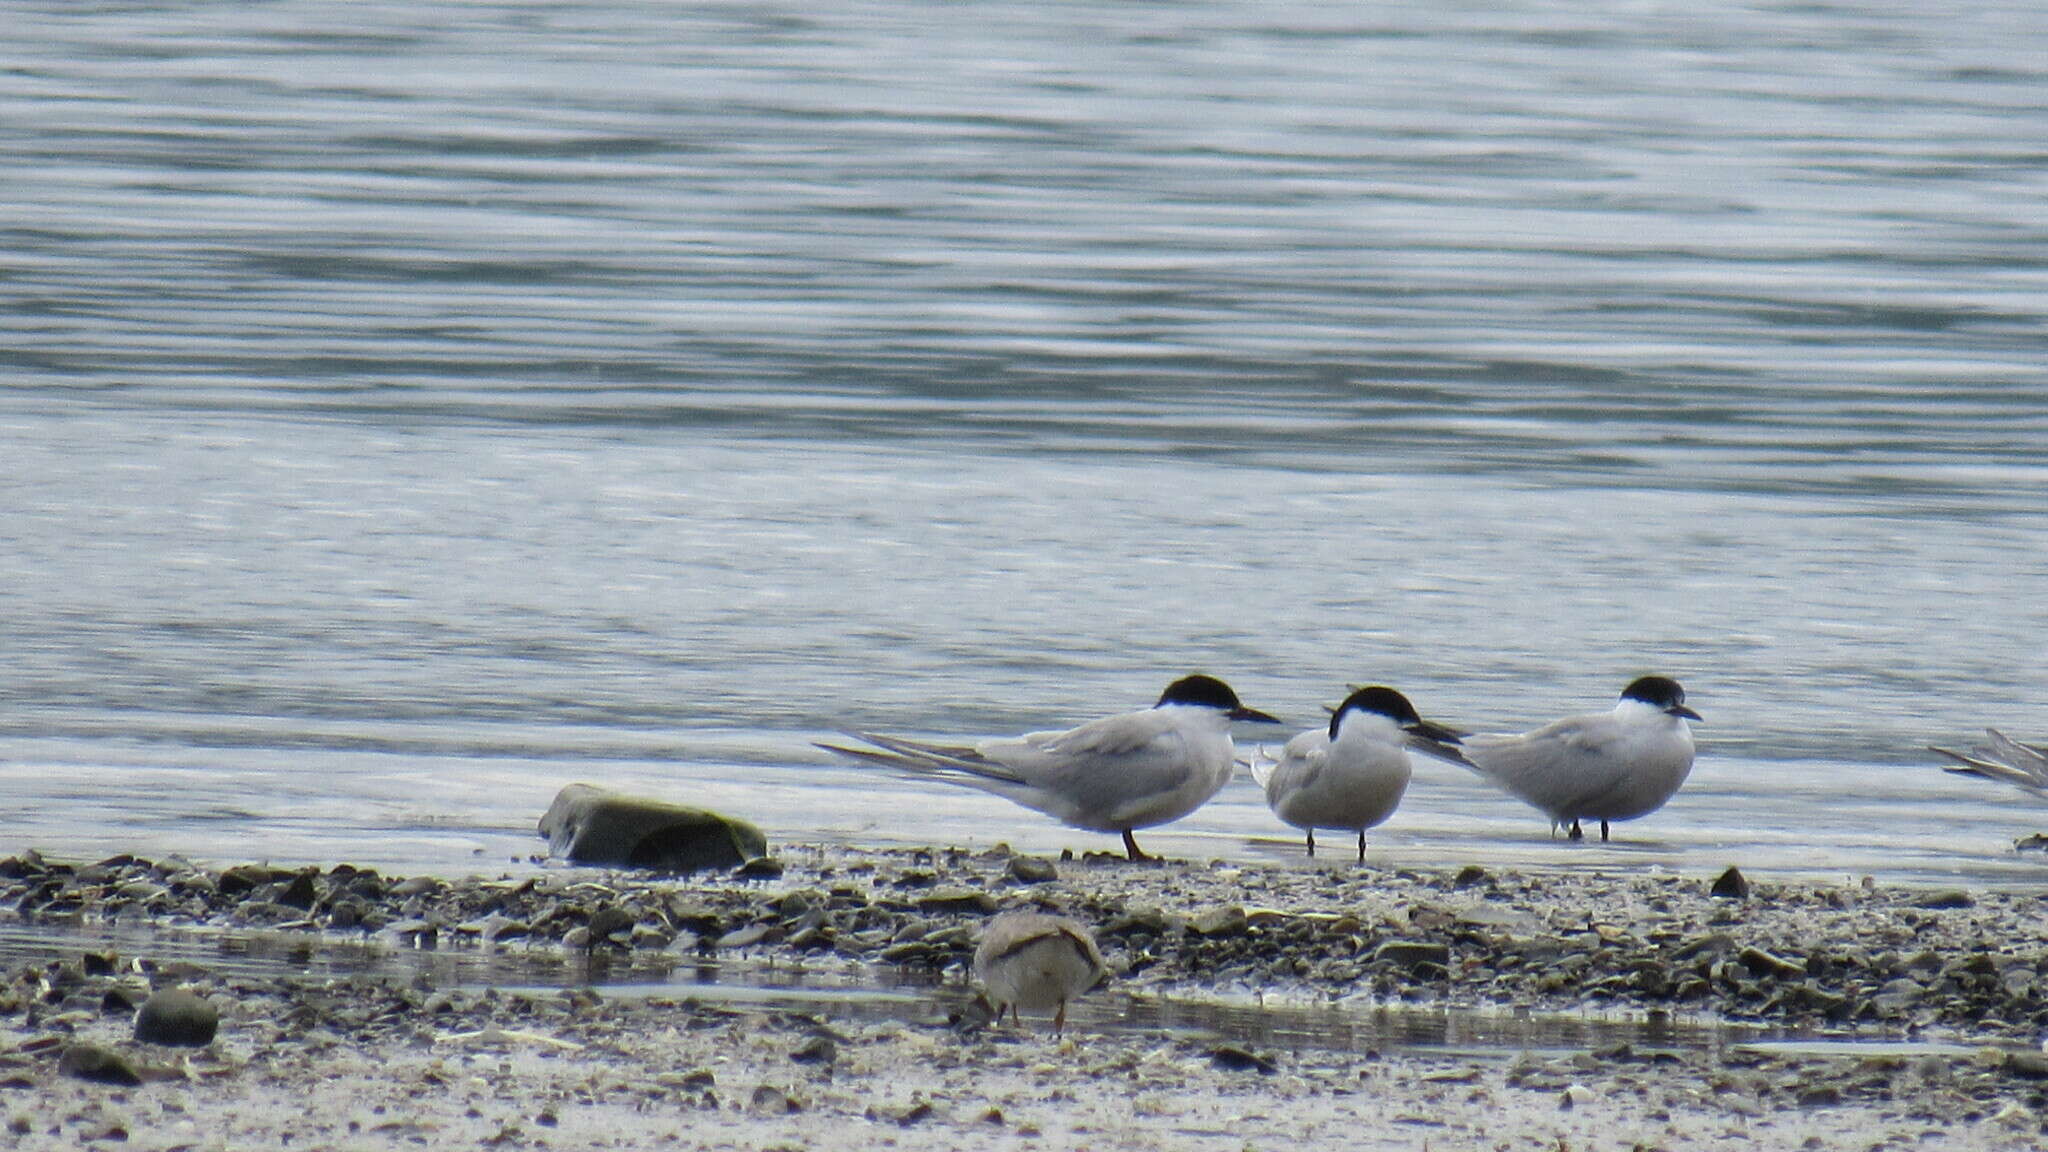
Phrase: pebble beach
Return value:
(1687, 1011)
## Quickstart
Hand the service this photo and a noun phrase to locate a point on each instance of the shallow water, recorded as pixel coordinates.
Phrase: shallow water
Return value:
(883, 993)
(401, 420)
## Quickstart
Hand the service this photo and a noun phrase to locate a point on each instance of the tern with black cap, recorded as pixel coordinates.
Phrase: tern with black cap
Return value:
(1116, 774)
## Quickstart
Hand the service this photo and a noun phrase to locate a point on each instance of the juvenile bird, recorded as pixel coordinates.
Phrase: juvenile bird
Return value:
(1034, 961)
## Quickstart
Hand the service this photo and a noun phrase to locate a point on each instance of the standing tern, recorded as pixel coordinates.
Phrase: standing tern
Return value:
(1604, 766)
(1352, 776)
(1109, 775)
(1035, 961)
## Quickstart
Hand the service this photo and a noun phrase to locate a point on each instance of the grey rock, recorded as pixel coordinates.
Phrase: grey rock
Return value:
(1512, 920)
(1938, 900)
(1033, 870)
(1764, 963)
(816, 1050)
(2027, 1065)
(1712, 944)
(99, 1065)
(744, 937)
(178, 1017)
(1226, 921)
(1138, 922)
(593, 826)
(1413, 954)
(957, 900)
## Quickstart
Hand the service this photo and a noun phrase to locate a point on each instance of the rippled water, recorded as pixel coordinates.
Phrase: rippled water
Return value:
(400, 419)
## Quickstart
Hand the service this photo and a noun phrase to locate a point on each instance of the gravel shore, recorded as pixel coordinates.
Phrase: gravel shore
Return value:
(1931, 1005)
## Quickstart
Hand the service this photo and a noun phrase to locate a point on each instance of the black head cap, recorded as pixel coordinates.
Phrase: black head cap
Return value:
(1660, 692)
(1209, 692)
(1395, 707)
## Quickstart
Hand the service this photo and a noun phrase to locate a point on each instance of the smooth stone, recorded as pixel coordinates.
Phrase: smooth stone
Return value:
(1232, 1058)
(1033, 870)
(957, 900)
(1413, 954)
(99, 1065)
(177, 1017)
(1712, 944)
(1494, 916)
(816, 1050)
(744, 937)
(2027, 1065)
(1765, 964)
(1227, 921)
(591, 825)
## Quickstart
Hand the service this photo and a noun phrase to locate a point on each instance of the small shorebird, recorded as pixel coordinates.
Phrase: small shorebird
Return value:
(2023, 766)
(1605, 766)
(1351, 776)
(1115, 774)
(1035, 961)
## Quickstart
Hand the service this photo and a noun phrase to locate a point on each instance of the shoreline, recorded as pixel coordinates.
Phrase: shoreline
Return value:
(1935, 1002)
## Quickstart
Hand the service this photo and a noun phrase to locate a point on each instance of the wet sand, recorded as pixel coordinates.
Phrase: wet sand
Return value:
(1930, 1002)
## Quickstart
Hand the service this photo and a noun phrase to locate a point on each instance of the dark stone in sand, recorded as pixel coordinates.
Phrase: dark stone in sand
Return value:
(607, 920)
(100, 1065)
(2027, 1065)
(301, 893)
(1732, 885)
(916, 1112)
(176, 1016)
(816, 1050)
(768, 1100)
(592, 826)
(1765, 964)
(1032, 870)
(1232, 1058)
(242, 878)
(1939, 900)
(1470, 875)
(760, 868)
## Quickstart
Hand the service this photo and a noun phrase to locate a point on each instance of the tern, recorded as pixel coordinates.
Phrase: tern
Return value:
(2023, 766)
(1115, 774)
(1351, 776)
(1605, 766)
(1035, 961)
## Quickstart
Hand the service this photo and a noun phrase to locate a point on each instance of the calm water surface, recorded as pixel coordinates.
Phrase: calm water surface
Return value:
(404, 418)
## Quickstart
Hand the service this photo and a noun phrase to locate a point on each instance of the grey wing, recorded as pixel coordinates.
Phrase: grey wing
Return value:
(1110, 737)
(1299, 765)
(1101, 770)
(1558, 765)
